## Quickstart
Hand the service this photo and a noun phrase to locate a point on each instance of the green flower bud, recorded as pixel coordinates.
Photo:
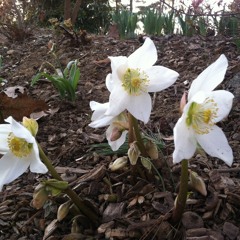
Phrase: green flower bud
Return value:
(118, 164)
(133, 153)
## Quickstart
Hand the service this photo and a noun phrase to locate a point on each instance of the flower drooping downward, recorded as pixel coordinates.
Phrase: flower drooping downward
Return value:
(118, 125)
(205, 107)
(132, 79)
(19, 149)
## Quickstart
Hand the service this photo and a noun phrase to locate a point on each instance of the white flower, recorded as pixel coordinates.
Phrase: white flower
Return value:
(204, 109)
(116, 132)
(20, 151)
(133, 78)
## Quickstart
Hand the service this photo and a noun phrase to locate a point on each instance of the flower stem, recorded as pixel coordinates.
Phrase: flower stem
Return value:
(77, 200)
(182, 195)
(134, 124)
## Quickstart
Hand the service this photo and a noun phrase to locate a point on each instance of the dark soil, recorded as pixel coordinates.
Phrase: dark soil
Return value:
(129, 208)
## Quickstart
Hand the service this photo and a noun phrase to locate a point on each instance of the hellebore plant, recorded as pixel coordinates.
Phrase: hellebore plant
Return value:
(130, 82)
(20, 150)
(132, 79)
(197, 125)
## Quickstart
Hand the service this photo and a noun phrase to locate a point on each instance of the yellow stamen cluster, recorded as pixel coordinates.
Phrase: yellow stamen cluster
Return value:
(134, 81)
(201, 116)
(19, 146)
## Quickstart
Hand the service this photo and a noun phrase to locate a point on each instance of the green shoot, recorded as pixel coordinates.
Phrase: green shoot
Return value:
(65, 81)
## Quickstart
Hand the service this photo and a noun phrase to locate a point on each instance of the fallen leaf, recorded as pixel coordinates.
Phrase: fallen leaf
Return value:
(18, 107)
(13, 92)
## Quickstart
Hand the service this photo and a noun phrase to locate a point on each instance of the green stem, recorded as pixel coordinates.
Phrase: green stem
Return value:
(182, 195)
(77, 200)
(131, 137)
(138, 136)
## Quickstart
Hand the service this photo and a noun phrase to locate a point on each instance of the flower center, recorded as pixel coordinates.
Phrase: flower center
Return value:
(19, 146)
(134, 81)
(201, 116)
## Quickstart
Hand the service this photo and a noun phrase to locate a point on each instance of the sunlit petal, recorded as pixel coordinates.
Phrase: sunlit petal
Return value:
(216, 145)
(210, 78)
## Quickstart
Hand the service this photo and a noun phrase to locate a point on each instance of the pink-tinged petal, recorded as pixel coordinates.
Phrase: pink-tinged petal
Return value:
(224, 100)
(140, 106)
(20, 131)
(185, 143)
(118, 101)
(144, 57)
(216, 145)
(115, 145)
(11, 168)
(210, 78)
(160, 78)
(36, 165)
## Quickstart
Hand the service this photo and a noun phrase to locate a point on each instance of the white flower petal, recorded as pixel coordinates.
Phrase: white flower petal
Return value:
(210, 78)
(224, 100)
(160, 78)
(140, 106)
(109, 82)
(20, 131)
(101, 122)
(5, 130)
(99, 109)
(143, 57)
(117, 63)
(11, 168)
(118, 101)
(185, 143)
(115, 145)
(216, 145)
(36, 165)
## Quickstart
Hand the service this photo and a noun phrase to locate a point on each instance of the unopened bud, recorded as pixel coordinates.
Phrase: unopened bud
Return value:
(118, 164)
(183, 102)
(76, 228)
(68, 23)
(40, 196)
(116, 134)
(133, 153)
(31, 125)
(197, 183)
(152, 150)
(63, 210)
